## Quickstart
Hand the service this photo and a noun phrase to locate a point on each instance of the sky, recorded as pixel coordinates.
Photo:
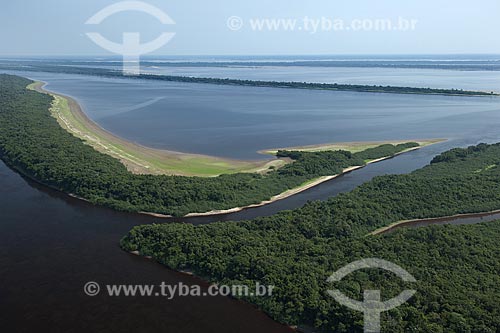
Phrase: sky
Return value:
(57, 27)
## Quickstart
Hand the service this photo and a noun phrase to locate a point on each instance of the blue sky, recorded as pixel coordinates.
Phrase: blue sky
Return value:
(56, 27)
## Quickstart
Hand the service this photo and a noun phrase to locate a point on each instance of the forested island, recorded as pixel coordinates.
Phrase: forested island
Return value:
(36, 67)
(33, 142)
(456, 267)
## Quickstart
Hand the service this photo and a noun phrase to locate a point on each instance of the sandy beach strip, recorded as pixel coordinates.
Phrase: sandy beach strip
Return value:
(145, 160)
(77, 112)
(430, 221)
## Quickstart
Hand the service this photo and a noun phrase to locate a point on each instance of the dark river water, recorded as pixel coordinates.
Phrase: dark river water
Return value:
(51, 245)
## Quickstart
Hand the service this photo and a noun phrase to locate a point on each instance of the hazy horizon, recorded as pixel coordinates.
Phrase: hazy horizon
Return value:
(152, 56)
(206, 28)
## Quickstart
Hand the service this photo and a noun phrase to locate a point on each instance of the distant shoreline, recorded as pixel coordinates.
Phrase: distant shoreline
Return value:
(261, 83)
(431, 221)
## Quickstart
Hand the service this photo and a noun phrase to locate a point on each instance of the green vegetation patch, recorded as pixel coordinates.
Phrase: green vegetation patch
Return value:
(145, 160)
(32, 141)
(457, 267)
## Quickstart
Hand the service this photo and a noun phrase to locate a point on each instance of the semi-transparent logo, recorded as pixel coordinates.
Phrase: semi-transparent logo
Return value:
(131, 48)
(372, 305)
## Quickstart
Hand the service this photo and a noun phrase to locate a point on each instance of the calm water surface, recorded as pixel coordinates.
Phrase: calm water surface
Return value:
(51, 245)
(404, 77)
(470, 72)
(236, 122)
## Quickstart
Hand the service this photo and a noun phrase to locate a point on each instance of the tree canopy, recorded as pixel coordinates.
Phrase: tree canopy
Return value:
(457, 267)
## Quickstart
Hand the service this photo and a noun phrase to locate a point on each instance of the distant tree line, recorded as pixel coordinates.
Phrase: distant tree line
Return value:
(462, 65)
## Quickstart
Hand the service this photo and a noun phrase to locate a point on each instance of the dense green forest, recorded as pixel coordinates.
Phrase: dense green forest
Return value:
(32, 141)
(457, 267)
(37, 67)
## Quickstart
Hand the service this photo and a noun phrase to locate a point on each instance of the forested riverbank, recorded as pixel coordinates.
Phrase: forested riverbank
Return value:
(33, 142)
(297, 250)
